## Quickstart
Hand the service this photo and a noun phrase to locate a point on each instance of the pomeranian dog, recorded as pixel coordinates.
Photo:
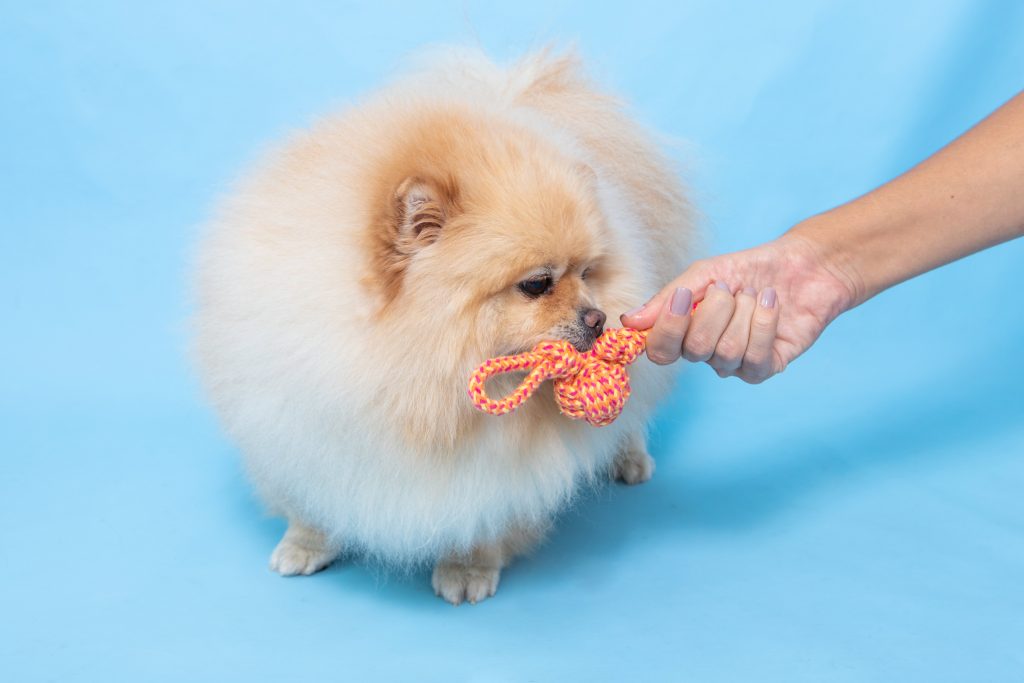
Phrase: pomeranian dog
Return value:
(349, 286)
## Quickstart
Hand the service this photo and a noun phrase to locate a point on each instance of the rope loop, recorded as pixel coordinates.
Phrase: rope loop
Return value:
(592, 385)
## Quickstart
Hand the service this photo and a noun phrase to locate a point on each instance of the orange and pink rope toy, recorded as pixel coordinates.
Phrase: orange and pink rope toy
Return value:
(591, 385)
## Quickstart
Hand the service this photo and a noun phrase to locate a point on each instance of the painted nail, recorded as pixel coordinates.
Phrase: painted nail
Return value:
(681, 300)
(750, 291)
(768, 298)
(636, 311)
(724, 287)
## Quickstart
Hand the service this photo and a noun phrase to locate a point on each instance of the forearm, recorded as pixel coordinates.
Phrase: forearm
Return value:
(968, 196)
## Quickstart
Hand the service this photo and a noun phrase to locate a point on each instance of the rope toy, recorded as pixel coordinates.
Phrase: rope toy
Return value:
(592, 385)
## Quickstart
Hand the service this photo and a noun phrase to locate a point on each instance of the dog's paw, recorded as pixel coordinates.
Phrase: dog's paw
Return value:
(291, 558)
(633, 467)
(457, 583)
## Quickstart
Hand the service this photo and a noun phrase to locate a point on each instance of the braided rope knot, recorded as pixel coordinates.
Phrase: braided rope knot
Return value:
(592, 385)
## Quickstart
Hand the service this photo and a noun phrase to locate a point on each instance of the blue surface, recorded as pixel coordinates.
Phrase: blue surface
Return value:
(859, 518)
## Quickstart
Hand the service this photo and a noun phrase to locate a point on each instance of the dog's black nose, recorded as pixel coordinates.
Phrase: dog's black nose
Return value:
(594, 320)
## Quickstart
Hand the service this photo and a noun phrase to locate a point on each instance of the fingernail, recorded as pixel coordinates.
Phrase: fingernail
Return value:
(768, 298)
(681, 300)
(750, 291)
(636, 311)
(721, 285)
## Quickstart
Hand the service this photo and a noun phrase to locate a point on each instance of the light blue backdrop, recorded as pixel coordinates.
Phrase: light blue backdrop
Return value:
(859, 518)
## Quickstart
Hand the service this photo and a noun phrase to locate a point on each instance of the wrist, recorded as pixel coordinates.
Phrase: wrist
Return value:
(817, 240)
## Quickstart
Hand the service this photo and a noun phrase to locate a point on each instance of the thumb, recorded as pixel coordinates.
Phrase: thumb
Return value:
(643, 317)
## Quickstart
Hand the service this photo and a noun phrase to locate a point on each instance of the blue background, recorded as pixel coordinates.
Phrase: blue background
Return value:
(858, 518)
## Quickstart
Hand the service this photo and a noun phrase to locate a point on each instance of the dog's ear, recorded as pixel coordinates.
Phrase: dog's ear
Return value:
(422, 208)
(413, 216)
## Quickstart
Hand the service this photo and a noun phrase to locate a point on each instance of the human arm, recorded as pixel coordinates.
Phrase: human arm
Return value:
(773, 301)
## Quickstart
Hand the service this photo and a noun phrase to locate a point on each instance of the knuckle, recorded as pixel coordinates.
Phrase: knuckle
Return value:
(728, 350)
(699, 346)
(695, 356)
(755, 360)
(660, 356)
(756, 372)
(724, 365)
(762, 324)
(731, 367)
(750, 376)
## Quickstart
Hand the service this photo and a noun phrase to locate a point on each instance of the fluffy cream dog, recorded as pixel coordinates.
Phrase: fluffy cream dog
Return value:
(350, 285)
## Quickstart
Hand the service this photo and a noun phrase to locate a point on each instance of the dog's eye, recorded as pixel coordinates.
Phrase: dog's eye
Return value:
(585, 274)
(534, 287)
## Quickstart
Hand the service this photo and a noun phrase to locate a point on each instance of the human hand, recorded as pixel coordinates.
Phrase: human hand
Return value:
(759, 309)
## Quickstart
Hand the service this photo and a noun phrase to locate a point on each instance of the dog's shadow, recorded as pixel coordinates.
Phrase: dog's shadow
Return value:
(772, 479)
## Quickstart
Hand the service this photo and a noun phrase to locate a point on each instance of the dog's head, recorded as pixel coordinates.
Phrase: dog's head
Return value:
(486, 228)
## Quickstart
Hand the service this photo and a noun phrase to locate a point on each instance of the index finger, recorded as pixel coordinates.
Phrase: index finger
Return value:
(665, 341)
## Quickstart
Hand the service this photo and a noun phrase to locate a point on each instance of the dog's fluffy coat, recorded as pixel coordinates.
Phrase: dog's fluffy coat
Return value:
(348, 287)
